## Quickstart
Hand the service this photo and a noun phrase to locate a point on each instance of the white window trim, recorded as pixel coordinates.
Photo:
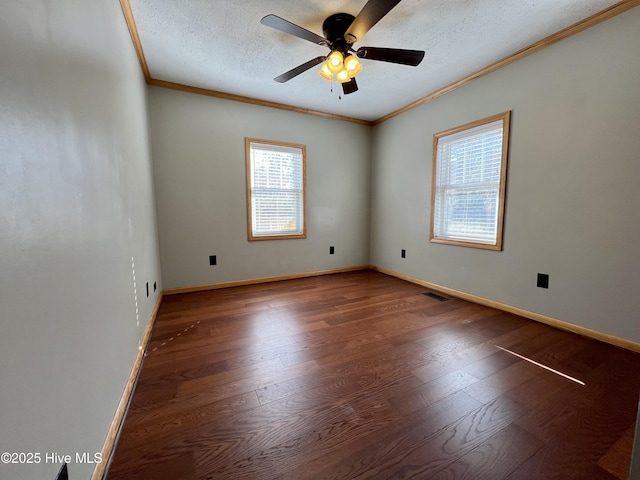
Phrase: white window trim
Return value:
(275, 145)
(436, 185)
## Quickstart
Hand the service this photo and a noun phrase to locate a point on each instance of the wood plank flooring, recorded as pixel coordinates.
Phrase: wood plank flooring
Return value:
(362, 376)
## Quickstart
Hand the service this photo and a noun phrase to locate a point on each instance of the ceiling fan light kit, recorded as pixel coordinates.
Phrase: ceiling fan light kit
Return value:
(341, 31)
(343, 69)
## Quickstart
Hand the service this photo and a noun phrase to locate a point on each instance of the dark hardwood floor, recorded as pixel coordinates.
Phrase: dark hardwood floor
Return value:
(360, 375)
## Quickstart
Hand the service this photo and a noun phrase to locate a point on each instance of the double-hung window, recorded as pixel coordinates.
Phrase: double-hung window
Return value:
(469, 183)
(275, 189)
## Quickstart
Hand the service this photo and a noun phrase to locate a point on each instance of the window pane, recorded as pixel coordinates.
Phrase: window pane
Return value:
(469, 214)
(276, 212)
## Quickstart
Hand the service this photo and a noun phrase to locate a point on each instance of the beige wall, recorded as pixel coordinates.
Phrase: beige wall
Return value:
(198, 147)
(76, 204)
(573, 202)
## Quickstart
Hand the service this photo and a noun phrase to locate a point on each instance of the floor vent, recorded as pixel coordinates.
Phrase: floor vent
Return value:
(436, 296)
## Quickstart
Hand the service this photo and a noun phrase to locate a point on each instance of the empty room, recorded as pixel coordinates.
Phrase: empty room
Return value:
(319, 240)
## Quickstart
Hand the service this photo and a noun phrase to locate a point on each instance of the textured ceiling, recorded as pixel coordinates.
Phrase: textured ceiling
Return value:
(220, 45)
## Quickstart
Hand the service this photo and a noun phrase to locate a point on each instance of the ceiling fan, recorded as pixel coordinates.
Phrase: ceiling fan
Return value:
(341, 31)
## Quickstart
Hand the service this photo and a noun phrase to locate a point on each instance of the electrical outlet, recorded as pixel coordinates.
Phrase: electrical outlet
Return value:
(213, 260)
(403, 253)
(147, 289)
(155, 286)
(332, 250)
(543, 280)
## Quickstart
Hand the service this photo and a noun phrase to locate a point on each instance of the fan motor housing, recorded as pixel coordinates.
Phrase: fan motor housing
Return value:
(335, 26)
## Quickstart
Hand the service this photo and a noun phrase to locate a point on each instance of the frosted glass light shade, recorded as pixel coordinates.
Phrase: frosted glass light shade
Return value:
(342, 76)
(334, 62)
(325, 72)
(352, 66)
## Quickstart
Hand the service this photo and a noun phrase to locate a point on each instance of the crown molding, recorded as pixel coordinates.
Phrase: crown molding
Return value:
(135, 38)
(254, 101)
(578, 27)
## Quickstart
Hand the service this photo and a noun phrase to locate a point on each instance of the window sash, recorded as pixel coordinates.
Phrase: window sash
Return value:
(458, 216)
(468, 185)
(276, 211)
(275, 190)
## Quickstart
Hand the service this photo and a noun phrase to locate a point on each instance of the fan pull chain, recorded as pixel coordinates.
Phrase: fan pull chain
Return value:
(331, 83)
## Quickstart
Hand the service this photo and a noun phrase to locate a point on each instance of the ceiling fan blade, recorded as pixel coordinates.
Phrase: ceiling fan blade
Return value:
(350, 86)
(294, 72)
(393, 55)
(286, 26)
(370, 14)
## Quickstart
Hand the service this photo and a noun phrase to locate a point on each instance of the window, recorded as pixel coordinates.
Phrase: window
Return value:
(469, 183)
(275, 189)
